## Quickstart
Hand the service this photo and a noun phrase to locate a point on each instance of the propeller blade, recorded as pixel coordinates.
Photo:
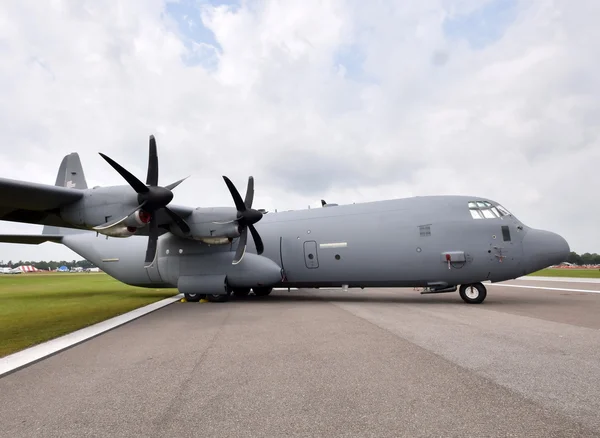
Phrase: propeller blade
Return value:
(257, 240)
(152, 242)
(241, 249)
(249, 193)
(176, 183)
(137, 185)
(152, 177)
(237, 199)
(182, 224)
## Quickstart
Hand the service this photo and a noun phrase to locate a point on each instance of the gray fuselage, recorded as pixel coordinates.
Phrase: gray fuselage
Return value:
(395, 243)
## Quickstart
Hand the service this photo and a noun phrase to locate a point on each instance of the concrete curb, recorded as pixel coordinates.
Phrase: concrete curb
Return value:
(23, 358)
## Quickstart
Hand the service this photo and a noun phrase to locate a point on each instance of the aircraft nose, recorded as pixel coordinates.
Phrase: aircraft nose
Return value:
(544, 248)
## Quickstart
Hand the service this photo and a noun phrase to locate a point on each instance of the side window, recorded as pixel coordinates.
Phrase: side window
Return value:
(503, 210)
(505, 233)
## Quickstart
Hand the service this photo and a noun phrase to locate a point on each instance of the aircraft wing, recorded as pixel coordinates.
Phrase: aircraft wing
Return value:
(30, 239)
(34, 203)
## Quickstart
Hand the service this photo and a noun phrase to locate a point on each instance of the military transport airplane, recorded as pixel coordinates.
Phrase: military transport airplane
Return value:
(134, 234)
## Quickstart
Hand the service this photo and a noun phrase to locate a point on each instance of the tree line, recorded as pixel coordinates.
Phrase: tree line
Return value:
(584, 259)
(51, 265)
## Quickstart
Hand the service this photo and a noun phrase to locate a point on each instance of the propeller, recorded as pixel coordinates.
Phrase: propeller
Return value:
(151, 197)
(246, 218)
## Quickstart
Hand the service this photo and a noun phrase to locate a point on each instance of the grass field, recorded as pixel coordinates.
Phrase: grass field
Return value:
(38, 307)
(573, 273)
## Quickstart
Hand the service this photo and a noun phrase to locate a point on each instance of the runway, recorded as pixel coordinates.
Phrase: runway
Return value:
(373, 362)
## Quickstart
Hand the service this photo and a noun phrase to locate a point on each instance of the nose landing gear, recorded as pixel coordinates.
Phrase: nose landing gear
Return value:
(473, 293)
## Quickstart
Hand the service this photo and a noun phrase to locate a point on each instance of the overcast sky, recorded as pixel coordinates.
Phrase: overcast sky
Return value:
(348, 101)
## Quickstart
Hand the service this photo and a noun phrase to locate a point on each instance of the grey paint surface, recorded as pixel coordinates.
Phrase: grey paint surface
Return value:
(377, 244)
(324, 363)
(401, 242)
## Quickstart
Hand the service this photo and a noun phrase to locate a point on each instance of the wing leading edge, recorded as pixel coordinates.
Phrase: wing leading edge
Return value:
(30, 239)
(34, 203)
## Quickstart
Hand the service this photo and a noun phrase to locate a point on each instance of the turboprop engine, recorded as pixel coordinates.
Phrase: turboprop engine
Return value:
(127, 226)
(215, 233)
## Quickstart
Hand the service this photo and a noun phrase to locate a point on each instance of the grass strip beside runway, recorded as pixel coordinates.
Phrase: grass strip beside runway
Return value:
(572, 273)
(37, 307)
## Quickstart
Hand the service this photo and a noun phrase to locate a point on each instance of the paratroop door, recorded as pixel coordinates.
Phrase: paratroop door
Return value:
(310, 254)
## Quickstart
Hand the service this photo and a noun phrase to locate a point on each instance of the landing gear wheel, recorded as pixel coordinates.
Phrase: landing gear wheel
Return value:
(241, 291)
(262, 291)
(473, 293)
(220, 298)
(193, 298)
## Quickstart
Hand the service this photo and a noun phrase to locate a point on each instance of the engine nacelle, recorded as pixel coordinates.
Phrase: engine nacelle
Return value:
(215, 233)
(127, 226)
(225, 230)
(138, 219)
(118, 230)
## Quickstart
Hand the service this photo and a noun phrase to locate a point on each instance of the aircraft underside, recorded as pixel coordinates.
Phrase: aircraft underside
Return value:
(211, 275)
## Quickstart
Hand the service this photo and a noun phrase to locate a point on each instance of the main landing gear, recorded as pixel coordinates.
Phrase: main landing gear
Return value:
(473, 293)
(222, 298)
(194, 298)
(262, 291)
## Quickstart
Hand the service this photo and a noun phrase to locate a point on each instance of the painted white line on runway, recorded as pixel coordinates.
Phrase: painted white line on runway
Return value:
(560, 279)
(33, 354)
(547, 288)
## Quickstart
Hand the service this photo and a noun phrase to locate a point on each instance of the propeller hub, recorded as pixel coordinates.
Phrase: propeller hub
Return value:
(156, 197)
(250, 216)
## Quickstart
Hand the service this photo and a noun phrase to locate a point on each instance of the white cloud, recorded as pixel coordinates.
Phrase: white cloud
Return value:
(344, 100)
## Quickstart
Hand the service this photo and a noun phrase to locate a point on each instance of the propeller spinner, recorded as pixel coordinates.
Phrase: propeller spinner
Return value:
(246, 218)
(151, 197)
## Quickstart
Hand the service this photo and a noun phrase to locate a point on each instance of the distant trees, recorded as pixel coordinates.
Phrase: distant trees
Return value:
(51, 265)
(584, 259)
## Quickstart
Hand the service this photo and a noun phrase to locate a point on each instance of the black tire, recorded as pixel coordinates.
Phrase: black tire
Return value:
(221, 298)
(193, 298)
(241, 291)
(262, 291)
(473, 293)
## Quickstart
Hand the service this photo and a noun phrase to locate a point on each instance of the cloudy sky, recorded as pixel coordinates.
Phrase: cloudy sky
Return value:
(345, 100)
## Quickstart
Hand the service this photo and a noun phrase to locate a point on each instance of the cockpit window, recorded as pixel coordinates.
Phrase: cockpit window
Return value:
(488, 213)
(476, 213)
(503, 210)
(485, 210)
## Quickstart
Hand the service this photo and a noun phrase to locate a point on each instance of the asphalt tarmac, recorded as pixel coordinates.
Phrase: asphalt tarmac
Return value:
(373, 362)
